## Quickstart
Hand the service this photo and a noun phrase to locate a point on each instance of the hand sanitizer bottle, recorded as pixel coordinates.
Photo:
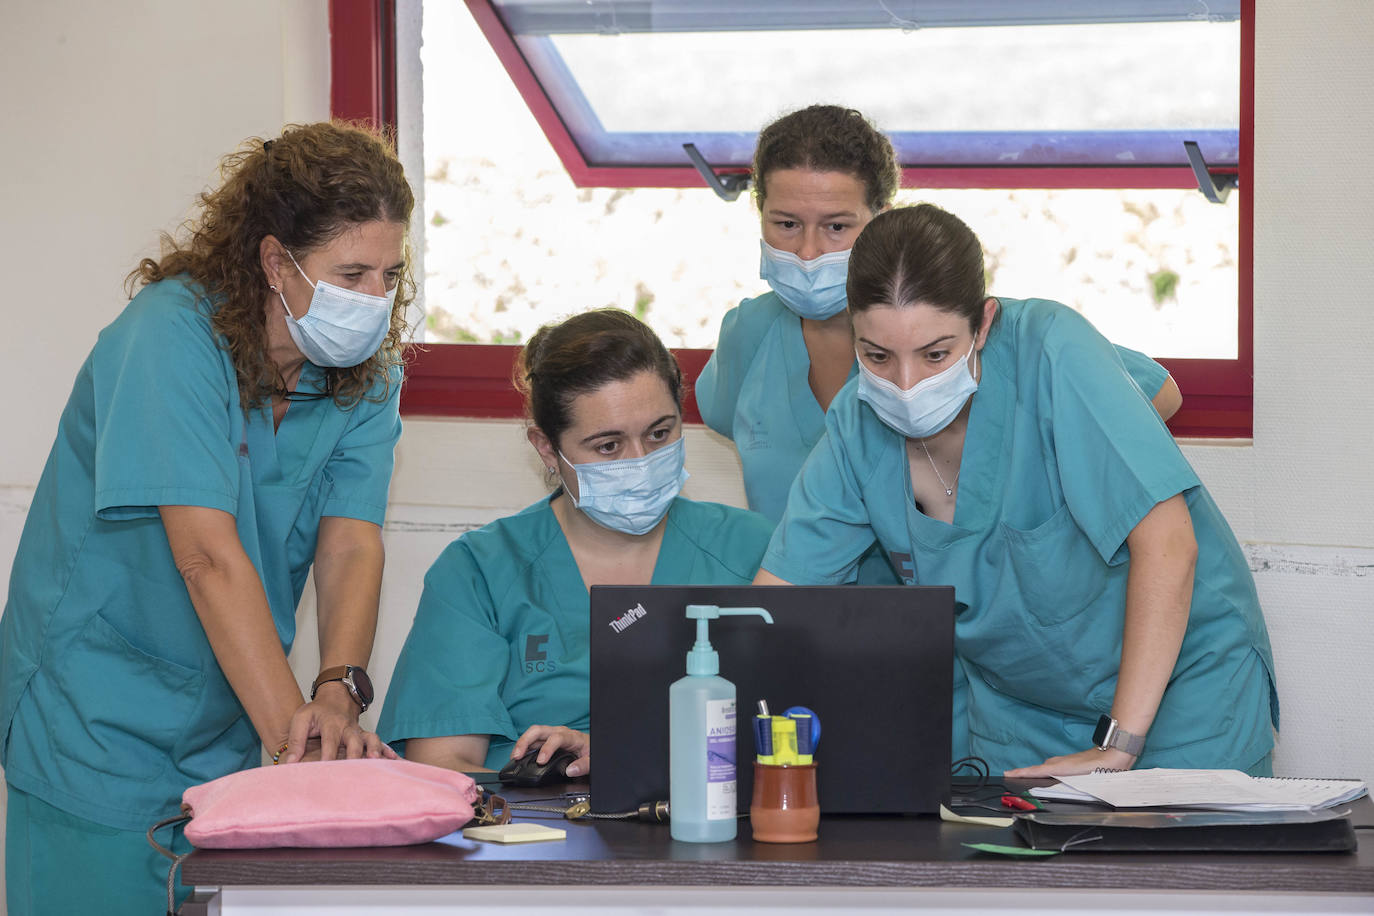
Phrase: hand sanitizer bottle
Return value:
(701, 739)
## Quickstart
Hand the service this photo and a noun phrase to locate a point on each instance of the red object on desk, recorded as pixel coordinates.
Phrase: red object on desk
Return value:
(1018, 803)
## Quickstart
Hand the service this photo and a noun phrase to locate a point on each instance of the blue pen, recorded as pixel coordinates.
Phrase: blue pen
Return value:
(763, 735)
(808, 731)
(804, 745)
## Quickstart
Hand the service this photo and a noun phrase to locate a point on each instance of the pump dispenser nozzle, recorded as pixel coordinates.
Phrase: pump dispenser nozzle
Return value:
(704, 660)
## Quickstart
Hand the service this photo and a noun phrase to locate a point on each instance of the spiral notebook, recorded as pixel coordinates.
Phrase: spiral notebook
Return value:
(1218, 790)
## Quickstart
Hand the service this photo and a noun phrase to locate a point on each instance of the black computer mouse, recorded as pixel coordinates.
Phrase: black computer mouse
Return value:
(528, 771)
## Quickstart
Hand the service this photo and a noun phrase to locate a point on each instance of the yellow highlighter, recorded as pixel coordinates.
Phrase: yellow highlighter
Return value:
(784, 741)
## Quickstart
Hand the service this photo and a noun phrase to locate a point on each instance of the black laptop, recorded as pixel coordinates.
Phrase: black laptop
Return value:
(875, 663)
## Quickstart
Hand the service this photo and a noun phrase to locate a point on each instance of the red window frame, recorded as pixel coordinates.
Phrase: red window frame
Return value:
(474, 380)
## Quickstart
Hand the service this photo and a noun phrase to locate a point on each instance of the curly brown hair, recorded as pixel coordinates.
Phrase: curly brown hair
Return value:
(306, 188)
(829, 138)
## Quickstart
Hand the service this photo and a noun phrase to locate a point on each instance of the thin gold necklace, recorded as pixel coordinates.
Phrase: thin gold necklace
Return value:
(949, 487)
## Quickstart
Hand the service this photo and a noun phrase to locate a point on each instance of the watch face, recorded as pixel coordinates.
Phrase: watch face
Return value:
(363, 684)
(1103, 731)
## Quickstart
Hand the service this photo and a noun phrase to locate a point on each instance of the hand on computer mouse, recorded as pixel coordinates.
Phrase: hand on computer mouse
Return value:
(528, 771)
(551, 738)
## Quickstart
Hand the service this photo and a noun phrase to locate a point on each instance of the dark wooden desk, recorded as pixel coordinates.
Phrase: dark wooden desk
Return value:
(852, 852)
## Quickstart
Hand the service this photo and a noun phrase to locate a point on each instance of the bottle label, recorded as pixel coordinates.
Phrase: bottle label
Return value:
(720, 760)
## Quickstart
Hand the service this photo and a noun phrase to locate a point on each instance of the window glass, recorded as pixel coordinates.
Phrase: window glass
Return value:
(511, 243)
(1104, 83)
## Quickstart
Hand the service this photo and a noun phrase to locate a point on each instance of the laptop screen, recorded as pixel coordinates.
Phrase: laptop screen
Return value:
(875, 663)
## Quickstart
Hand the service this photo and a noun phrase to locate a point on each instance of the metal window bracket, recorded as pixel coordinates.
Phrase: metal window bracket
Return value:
(1215, 188)
(727, 186)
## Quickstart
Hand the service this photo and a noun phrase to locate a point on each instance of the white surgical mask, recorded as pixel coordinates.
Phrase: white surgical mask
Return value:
(630, 494)
(812, 289)
(342, 327)
(926, 407)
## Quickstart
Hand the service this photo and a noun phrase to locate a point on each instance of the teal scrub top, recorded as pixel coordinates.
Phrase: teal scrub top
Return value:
(756, 391)
(112, 700)
(1062, 458)
(500, 639)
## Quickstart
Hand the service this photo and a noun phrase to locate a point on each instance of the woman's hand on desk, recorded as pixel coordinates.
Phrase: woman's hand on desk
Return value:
(549, 738)
(335, 724)
(1074, 764)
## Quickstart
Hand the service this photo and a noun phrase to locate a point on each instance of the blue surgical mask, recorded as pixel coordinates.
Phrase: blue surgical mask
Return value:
(812, 289)
(342, 327)
(926, 407)
(630, 494)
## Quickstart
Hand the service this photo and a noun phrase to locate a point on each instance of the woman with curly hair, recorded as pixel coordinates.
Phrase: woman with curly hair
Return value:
(231, 428)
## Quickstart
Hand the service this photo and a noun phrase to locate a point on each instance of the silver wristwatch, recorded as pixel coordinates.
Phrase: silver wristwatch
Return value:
(1111, 735)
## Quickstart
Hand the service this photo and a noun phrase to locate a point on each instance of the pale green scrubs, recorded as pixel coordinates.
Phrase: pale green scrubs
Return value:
(1062, 458)
(500, 639)
(111, 699)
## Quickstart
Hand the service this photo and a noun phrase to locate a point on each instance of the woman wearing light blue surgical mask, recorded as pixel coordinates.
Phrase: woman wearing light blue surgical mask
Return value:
(341, 327)
(229, 436)
(496, 662)
(820, 174)
(1106, 615)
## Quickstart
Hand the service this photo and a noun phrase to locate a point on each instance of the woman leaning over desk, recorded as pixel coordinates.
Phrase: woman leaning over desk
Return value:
(232, 426)
(998, 446)
(497, 661)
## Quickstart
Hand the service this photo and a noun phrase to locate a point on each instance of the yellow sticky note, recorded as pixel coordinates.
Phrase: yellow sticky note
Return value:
(514, 833)
(951, 817)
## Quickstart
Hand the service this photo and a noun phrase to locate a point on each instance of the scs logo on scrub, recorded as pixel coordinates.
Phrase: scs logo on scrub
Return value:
(536, 659)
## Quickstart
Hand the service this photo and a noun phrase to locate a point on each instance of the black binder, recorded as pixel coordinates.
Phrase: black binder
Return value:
(1188, 831)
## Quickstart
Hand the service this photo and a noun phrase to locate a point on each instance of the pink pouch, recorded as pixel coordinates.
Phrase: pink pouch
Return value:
(366, 802)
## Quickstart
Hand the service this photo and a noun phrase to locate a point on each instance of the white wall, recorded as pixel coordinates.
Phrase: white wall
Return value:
(127, 106)
(1302, 495)
(116, 115)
